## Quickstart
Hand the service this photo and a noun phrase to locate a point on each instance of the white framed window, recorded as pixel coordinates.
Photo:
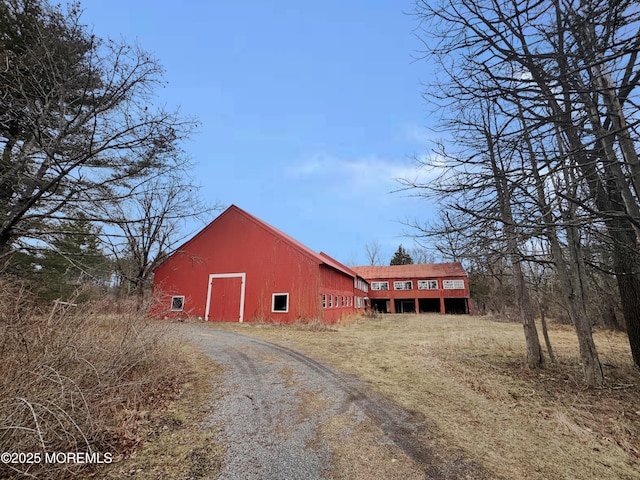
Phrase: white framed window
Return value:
(280, 303)
(453, 284)
(330, 301)
(403, 285)
(427, 284)
(335, 301)
(324, 300)
(360, 284)
(379, 285)
(177, 303)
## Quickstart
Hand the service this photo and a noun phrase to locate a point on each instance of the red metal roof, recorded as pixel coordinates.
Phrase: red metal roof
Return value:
(424, 270)
(337, 265)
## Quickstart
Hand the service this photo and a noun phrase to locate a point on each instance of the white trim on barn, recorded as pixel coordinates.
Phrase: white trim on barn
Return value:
(286, 302)
(243, 276)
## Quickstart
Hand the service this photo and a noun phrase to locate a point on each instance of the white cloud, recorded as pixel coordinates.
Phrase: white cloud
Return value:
(417, 134)
(369, 175)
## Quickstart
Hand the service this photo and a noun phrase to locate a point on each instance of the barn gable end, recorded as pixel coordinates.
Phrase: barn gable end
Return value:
(239, 268)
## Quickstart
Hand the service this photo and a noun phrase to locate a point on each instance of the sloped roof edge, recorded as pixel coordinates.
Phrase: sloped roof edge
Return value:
(449, 269)
(321, 258)
(332, 262)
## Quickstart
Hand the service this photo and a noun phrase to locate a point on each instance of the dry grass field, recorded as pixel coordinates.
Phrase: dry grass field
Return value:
(466, 375)
(144, 395)
(77, 380)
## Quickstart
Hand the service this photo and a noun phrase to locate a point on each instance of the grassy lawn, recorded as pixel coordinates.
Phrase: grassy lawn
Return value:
(466, 375)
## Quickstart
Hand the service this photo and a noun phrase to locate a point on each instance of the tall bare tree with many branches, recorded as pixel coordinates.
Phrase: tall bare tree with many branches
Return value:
(76, 118)
(562, 79)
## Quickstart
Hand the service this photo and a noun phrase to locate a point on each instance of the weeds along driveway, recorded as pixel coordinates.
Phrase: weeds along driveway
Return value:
(286, 416)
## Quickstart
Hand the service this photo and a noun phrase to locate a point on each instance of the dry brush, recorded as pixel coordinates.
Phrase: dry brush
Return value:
(77, 380)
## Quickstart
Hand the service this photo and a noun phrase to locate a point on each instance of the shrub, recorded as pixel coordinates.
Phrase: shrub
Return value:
(75, 380)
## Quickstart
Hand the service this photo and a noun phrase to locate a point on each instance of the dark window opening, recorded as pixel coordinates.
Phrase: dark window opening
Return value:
(380, 305)
(456, 306)
(405, 305)
(429, 305)
(280, 302)
(177, 303)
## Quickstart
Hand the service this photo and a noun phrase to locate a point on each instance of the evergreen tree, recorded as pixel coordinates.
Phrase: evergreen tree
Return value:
(401, 257)
(73, 260)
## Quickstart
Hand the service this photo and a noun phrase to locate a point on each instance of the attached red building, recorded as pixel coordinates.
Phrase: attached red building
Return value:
(441, 287)
(239, 268)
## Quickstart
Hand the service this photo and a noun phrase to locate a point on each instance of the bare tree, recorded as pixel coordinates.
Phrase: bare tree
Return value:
(562, 76)
(77, 118)
(373, 251)
(420, 254)
(149, 222)
(571, 272)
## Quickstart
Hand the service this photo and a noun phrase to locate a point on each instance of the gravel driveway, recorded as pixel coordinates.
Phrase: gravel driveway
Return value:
(286, 416)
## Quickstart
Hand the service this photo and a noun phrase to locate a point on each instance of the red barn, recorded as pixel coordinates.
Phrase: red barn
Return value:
(240, 268)
(440, 287)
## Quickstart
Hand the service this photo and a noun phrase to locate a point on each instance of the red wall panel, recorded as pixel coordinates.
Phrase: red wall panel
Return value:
(224, 299)
(415, 293)
(236, 243)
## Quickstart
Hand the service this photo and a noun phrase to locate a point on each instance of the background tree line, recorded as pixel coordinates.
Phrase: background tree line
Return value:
(539, 195)
(94, 182)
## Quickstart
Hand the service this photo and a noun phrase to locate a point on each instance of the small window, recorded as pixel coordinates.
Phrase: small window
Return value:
(330, 301)
(177, 303)
(408, 285)
(379, 285)
(324, 300)
(427, 284)
(280, 302)
(453, 284)
(335, 301)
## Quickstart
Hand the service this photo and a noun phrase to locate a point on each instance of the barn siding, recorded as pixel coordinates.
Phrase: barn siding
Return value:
(339, 286)
(443, 299)
(270, 262)
(238, 243)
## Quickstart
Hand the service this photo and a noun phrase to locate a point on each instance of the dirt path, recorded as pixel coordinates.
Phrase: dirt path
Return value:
(287, 416)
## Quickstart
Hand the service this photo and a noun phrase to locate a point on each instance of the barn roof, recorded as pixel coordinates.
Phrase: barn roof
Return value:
(337, 265)
(419, 270)
(321, 258)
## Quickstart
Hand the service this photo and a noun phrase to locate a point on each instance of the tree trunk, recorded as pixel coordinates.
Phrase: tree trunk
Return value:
(139, 294)
(545, 334)
(571, 275)
(628, 279)
(535, 358)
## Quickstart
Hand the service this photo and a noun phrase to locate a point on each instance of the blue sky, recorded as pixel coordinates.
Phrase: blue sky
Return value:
(309, 111)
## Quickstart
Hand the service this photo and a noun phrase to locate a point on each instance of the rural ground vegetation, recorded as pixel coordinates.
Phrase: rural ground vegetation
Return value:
(536, 166)
(80, 379)
(95, 191)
